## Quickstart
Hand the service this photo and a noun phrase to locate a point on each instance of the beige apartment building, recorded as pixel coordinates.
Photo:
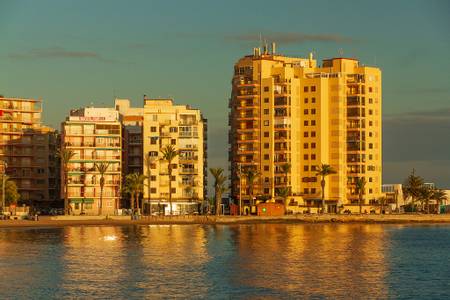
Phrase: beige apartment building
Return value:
(95, 137)
(29, 149)
(290, 110)
(185, 128)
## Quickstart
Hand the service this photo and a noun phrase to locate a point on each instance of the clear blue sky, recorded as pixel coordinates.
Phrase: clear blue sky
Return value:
(73, 53)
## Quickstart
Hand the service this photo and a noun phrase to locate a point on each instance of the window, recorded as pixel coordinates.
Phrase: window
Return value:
(266, 123)
(313, 122)
(305, 134)
(306, 100)
(173, 190)
(153, 140)
(370, 179)
(266, 168)
(313, 100)
(370, 100)
(153, 129)
(305, 156)
(306, 191)
(370, 123)
(305, 111)
(370, 146)
(266, 111)
(313, 156)
(313, 88)
(305, 146)
(313, 190)
(266, 100)
(173, 129)
(370, 89)
(370, 156)
(370, 191)
(313, 145)
(266, 156)
(266, 179)
(153, 190)
(266, 134)
(173, 141)
(313, 168)
(266, 145)
(305, 123)
(370, 112)
(266, 191)
(313, 111)
(313, 134)
(306, 168)
(266, 89)
(153, 153)
(153, 178)
(305, 89)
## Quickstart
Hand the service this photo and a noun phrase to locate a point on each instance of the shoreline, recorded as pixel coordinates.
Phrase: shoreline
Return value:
(61, 221)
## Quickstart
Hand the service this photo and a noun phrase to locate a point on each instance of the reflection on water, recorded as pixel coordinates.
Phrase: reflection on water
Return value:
(244, 261)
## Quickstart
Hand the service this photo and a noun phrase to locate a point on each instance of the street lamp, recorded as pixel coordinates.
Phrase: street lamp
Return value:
(240, 189)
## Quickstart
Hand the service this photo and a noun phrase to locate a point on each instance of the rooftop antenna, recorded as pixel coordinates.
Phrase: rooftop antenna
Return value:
(260, 40)
(341, 52)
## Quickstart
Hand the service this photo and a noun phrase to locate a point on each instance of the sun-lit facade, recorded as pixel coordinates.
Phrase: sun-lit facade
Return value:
(95, 137)
(289, 110)
(185, 129)
(29, 150)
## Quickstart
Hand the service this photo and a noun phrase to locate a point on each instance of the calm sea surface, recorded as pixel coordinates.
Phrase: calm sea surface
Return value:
(269, 261)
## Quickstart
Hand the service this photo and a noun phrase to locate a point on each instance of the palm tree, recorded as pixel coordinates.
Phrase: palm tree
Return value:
(148, 161)
(102, 168)
(440, 196)
(323, 171)
(412, 187)
(66, 155)
(360, 188)
(251, 175)
(285, 192)
(219, 186)
(168, 154)
(425, 195)
(134, 185)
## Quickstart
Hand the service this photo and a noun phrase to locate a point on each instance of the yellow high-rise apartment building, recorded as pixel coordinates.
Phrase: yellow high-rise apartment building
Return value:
(288, 110)
(95, 136)
(29, 149)
(185, 128)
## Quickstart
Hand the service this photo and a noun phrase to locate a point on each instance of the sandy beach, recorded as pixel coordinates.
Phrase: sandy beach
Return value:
(45, 221)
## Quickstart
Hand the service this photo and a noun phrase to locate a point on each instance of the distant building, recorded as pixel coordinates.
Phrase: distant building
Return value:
(132, 119)
(95, 136)
(29, 149)
(290, 110)
(185, 128)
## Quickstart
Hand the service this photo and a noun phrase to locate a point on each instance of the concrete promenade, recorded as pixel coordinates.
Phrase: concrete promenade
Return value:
(45, 221)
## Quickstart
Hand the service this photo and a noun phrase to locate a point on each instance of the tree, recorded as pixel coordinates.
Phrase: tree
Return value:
(286, 169)
(440, 196)
(323, 171)
(425, 195)
(169, 154)
(102, 168)
(411, 188)
(148, 162)
(360, 188)
(12, 196)
(219, 186)
(251, 174)
(66, 155)
(134, 186)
